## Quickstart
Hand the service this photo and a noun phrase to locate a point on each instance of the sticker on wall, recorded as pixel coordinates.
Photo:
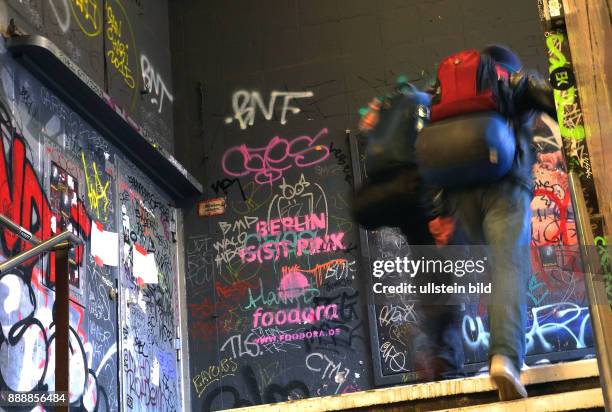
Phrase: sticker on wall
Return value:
(562, 78)
(104, 246)
(63, 197)
(155, 372)
(145, 268)
(211, 207)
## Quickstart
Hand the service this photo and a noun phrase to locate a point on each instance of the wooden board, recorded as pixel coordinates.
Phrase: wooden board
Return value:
(589, 32)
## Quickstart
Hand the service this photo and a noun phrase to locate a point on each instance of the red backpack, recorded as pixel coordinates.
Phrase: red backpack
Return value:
(461, 89)
(469, 139)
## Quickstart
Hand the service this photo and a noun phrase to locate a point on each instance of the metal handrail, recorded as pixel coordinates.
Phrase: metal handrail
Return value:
(59, 244)
(48, 245)
(18, 230)
(599, 307)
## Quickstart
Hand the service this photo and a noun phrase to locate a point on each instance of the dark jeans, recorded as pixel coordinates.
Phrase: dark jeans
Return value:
(441, 323)
(398, 199)
(442, 326)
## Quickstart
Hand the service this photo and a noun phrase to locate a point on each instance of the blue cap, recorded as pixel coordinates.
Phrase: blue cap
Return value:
(503, 56)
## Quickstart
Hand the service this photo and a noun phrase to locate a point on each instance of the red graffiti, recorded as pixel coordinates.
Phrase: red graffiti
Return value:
(205, 315)
(269, 163)
(23, 201)
(561, 235)
(350, 389)
(202, 319)
(236, 290)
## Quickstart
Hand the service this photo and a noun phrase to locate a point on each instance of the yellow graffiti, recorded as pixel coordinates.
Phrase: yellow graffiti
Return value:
(88, 11)
(215, 372)
(256, 198)
(96, 191)
(268, 372)
(602, 251)
(234, 321)
(118, 55)
(568, 113)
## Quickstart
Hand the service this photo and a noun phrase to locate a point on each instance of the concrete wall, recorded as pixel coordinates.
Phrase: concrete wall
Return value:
(122, 45)
(346, 51)
(59, 173)
(329, 58)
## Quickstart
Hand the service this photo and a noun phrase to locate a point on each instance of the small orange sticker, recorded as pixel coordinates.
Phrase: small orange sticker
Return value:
(211, 207)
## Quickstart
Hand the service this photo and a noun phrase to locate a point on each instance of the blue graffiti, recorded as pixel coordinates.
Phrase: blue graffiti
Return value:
(548, 322)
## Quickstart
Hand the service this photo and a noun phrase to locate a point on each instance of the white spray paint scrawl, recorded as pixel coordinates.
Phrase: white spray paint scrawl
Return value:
(153, 83)
(245, 103)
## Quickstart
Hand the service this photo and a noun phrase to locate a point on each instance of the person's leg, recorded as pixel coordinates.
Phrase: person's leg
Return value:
(466, 207)
(442, 326)
(500, 215)
(439, 321)
(507, 231)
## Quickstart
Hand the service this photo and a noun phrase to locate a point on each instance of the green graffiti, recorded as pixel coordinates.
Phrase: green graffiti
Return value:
(557, 59)
(603, 252)
(563, 99)
(604, 261)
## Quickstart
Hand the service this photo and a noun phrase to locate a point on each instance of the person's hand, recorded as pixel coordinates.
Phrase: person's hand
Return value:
(442, 229)
(370, 115)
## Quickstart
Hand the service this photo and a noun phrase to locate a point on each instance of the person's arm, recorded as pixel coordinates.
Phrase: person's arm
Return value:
(532, 92)
(442, 229)
(440, 223)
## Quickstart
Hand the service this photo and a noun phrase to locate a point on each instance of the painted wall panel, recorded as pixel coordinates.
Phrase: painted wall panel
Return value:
(122, 45)
(274, 293)
(149, 296)
(57, 173)
(247, 149)
(44, 181)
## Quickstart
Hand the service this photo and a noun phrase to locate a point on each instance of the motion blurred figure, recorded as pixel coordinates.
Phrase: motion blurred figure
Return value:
(498, 213)
(394, 195)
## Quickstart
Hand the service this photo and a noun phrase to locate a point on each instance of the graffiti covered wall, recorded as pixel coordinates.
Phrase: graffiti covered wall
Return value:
(273, 287)
(122, 45)
(276, 298)
(149, 328)
(558, 318)
(57, 173)
(263, 102)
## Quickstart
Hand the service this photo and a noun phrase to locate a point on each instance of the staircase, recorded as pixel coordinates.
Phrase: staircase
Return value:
(560, 387)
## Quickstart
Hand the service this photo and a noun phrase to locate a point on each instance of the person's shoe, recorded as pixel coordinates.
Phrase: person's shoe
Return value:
(506, 378)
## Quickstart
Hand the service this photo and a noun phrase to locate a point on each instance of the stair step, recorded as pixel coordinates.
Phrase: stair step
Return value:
(567, 401)
(536, 375)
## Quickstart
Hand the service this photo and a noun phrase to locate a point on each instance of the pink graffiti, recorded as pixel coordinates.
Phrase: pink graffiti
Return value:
(273, 227)
(269, 163)
(350, 389)
(292, 285)
(287, 337)
(295, 315)
(273, 250)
